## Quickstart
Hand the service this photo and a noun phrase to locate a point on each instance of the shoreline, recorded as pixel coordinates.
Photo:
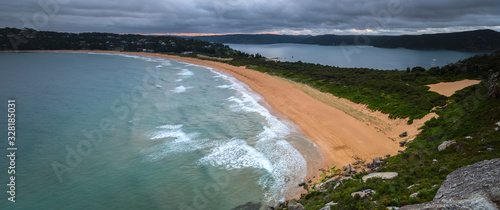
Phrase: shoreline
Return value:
(342, 130)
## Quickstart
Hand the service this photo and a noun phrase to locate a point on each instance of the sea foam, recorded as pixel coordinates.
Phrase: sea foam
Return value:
(271, 151)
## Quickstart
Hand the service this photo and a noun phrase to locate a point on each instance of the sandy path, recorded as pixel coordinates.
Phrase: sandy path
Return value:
(341, 129)
(449, 88)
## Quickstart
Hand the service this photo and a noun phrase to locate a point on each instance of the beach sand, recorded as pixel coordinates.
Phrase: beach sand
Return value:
(343, 131)
(449, 88)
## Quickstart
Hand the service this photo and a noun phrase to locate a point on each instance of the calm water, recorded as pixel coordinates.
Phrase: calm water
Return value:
(97, 131)
(356, 56)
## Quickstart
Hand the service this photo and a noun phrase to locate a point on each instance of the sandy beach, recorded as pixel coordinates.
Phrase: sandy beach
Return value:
(344, 131)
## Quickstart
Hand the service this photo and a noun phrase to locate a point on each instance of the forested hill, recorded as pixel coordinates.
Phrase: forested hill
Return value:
(479, 40)
(254, 38)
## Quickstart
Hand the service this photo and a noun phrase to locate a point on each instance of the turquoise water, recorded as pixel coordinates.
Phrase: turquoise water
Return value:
(356, 56)
(99, 131)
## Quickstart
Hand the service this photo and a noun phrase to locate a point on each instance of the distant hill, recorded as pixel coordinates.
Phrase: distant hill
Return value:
(479, 40)
(254, 38)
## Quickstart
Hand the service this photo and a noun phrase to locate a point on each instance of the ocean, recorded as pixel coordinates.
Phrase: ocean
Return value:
(356, 56)
(108, 131)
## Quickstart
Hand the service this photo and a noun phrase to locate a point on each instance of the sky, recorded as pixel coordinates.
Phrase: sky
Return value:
(209, 17)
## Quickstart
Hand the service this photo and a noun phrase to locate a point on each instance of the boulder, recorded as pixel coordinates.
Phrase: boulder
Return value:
(445, 144)
(402, 143)
(414, 195)
(331, 203)
(476, 186)
(363, 193)
(360, 193)
(404, 134)
(295, 206)
(322, 187)
(383, 175)
(377, 162)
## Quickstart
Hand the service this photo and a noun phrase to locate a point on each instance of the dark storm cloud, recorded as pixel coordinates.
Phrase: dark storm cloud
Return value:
(244, 16)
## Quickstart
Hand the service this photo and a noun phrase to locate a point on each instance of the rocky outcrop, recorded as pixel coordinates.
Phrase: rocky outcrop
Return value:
(445, 144)
(494, 86)
(476, 186)
(383, 175)
(295, 206)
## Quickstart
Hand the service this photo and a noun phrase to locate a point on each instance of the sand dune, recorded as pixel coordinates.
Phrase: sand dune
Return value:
(449, 88)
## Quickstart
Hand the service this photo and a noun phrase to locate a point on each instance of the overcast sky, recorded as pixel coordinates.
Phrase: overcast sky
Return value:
(252, 16)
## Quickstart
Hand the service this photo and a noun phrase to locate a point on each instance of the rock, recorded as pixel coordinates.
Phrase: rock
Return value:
(287, 179)
(489, 149)
(468, 137)
(445, 144)
(401, 151)
(331, 203)
(337, 185)
(404, 134)
(412, 186)
(322, 187)
(493, 85)
(346, 178)
(476, 186)
(414, 195)
(392, 208)
(295, 206)
(360, 193)
(434, 161)
(363, 193)
(375, 164)
(402, 143)
(325, 208)
(356, 163)
(383, 175)
(378, 161)
(369, 191)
